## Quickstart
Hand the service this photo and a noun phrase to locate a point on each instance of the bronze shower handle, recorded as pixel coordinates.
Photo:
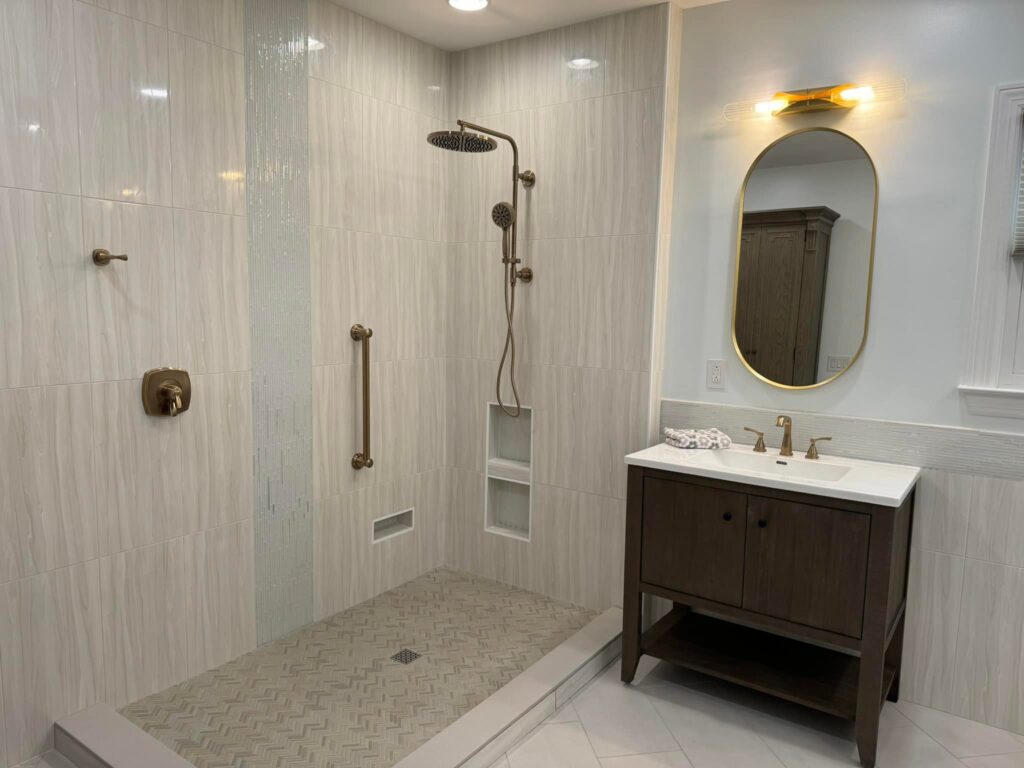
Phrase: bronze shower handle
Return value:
(102, 257)
(362, 334)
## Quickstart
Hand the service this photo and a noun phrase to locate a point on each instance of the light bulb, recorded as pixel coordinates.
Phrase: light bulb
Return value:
(468, 5)
(770, 107)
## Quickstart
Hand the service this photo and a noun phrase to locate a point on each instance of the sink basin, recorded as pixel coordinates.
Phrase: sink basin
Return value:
(871, 482)
(777, 466)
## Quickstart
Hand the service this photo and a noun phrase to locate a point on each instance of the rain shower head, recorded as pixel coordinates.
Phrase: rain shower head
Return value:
(460, 141)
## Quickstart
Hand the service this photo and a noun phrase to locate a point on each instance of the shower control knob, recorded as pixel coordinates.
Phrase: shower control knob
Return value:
(525, 274)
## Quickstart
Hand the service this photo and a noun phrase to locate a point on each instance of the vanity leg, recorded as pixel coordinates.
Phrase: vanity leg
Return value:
(869, 707)
(894, 657)
(632, 598)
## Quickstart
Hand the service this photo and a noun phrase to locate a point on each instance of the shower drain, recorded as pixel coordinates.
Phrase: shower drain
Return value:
(405, 656)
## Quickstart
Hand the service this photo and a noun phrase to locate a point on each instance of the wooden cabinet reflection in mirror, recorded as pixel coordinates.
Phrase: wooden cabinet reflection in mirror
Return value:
(804, 258)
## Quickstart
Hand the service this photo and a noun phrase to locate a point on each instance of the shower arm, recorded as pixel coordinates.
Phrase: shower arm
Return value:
(527, 178)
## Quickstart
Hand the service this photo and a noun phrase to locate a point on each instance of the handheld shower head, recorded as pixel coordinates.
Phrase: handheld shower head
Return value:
(504, 215)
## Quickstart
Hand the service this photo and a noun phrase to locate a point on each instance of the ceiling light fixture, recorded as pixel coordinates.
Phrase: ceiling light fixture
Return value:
(468, 5)
(583, 63)
(845, 96)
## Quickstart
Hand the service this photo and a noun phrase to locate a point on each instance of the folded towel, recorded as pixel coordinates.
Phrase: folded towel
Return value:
(697, 438)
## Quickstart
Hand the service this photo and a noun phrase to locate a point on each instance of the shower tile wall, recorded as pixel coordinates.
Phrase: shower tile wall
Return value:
(589, 231)
(126, 542)
(377, 232)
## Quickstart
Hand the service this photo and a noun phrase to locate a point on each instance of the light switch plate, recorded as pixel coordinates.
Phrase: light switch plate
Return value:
(716, 374)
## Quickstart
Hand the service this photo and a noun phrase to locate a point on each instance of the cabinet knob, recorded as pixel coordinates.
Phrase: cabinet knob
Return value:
(727, 516)
(762, 523)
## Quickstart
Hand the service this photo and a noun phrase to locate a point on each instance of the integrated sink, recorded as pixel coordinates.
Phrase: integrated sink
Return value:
(872, 482)
(776, 466)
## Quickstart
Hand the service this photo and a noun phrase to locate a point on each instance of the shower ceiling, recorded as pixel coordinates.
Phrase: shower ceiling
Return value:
(437, 23)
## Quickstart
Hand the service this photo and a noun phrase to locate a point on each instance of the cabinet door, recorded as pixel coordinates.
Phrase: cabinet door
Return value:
(693, 539)
(806, 564)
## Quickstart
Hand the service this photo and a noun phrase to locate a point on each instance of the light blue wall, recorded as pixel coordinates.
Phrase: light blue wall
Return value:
(931, 155)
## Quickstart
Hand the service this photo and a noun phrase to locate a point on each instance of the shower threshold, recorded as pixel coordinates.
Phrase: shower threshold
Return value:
(446, 670)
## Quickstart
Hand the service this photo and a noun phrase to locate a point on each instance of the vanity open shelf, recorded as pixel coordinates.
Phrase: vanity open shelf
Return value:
(800, 594)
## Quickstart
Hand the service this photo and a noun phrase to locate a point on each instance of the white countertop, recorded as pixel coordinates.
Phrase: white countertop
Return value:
(871, 482)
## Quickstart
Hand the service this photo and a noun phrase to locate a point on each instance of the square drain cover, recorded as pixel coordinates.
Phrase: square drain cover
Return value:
(405, 656)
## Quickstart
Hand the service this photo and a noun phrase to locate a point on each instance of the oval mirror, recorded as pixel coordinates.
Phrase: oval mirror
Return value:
(805, 257)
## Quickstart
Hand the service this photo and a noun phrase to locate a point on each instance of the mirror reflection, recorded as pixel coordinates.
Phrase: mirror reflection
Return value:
(805, 255)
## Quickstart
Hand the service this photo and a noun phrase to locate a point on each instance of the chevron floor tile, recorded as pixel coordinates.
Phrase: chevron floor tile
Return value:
(331, 696)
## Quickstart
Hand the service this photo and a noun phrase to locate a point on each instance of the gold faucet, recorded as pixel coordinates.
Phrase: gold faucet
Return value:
(787, 436)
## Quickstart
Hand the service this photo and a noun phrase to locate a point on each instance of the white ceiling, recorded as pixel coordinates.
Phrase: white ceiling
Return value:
(437, 23)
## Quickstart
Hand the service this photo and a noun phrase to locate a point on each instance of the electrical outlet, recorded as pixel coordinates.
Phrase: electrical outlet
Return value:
(716, 374)
(836, 364)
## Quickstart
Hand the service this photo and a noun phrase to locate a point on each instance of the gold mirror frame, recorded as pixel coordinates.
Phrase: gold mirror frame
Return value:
(871, 262)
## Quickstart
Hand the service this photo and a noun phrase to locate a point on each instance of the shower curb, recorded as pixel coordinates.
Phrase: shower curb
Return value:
(481, 736)
(100, 737)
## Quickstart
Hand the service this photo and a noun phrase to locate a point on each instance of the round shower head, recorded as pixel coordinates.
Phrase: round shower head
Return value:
(503, 214)
(460, 141)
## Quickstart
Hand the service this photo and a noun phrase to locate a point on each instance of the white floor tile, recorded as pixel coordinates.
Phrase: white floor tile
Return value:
(713, 733)
(660, 760)
(567, 714)
(964, 738)
(620, 719)
(912, 748)
(717, 725)
(798, 745)
(995, 761)
(558, 745)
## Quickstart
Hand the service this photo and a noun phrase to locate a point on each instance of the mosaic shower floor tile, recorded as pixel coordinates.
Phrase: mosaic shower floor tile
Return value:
(331, 694)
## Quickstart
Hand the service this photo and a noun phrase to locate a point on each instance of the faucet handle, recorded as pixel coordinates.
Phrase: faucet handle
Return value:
(759, 445)
(812, 452)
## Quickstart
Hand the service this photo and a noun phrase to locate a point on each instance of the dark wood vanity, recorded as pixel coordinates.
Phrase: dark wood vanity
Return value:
(797, 595)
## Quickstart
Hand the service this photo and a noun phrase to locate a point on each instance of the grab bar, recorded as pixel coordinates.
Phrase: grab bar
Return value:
(361, 334)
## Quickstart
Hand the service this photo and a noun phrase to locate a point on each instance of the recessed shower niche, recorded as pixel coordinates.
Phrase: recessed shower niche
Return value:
(508, 494)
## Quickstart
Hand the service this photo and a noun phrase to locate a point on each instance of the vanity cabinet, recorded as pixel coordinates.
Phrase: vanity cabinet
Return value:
(792, 594)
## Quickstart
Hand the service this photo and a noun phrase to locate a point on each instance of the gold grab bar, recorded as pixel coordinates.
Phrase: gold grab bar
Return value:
(361, 334)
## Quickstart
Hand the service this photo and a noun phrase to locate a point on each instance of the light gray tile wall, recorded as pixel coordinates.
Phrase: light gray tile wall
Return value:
(100, 505)
(589, 230)
(964, 648)
(378, 257)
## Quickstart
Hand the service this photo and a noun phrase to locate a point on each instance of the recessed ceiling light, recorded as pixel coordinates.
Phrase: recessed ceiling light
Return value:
(583, 63)
(313, 44)
(468, 5)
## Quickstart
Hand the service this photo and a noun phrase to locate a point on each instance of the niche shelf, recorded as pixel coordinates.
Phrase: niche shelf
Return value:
(507, 498)
(389, 526)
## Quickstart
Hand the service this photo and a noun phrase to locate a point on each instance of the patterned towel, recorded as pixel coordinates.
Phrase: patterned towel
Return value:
(697, 438)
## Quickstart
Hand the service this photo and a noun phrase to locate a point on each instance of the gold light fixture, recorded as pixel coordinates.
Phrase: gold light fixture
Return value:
(844, 96)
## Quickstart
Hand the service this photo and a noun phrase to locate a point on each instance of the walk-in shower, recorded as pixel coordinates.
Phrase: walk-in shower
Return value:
(505, 216)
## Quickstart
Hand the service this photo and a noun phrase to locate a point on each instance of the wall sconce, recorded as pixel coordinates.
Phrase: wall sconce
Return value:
(846, 96)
